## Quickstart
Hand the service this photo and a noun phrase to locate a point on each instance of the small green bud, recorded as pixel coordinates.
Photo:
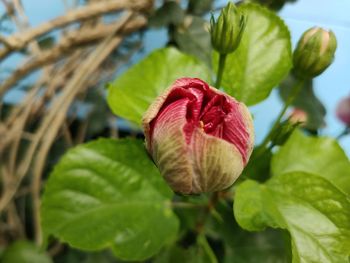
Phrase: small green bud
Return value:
(226, 32)
(314, 52)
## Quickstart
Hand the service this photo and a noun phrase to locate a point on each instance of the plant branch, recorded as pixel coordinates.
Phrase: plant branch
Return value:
(19, 41)
(66, 46)
(72, 88)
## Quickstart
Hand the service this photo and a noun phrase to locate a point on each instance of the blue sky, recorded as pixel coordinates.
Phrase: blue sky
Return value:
(330, 86)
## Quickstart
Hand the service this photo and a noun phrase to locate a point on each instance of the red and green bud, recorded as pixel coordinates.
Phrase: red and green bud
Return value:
(314, 52)
(199, 137)
(343, 111)
(226, 32)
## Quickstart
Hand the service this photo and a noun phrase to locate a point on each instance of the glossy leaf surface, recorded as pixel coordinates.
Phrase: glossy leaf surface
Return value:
(262, 59)
(316, 214)
(131, 94)
(108, 194)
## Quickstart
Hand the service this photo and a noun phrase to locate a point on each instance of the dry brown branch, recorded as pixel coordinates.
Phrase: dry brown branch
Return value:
(91, 64)
(66, 46)
(55, 112)
(62, 104)
(80, 59)
(35, 107)
(19, 41)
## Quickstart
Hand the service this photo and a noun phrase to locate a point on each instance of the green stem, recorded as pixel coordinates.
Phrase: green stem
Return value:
(222, 60)
(293, 94)
(207, 248)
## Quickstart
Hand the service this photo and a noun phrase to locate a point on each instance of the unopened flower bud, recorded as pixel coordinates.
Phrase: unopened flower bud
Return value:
(298, 116)
(343, 111)
(199, 137)
(314, 52)
(226, 32)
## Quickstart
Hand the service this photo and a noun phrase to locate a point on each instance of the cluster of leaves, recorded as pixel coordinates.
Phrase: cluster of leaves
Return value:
(107, 194)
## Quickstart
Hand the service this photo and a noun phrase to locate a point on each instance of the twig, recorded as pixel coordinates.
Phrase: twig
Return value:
(65, 47)
(63, 103)
(19, 41)
(56, 111)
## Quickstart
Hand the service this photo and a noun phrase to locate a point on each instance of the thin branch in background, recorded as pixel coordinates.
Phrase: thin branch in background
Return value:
(70, 75)
(19, 41)
(62, 103)
(64, 48)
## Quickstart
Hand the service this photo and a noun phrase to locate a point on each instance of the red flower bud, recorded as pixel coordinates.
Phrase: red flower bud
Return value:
(343, 111)
(200, 138)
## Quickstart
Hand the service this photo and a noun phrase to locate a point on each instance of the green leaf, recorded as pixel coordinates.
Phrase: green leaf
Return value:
(316, 214)
(322, 156)
(130, 95)
(262, 59)
(307, 101)
(108, 194)
(193, 38)
(24, 252)
(241, 246)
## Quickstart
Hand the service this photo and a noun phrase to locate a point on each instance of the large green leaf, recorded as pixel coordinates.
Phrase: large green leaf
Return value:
(131, 94)
(108, 194)
(322, 156)
(316, 214)
(24, 252)
(263, 58)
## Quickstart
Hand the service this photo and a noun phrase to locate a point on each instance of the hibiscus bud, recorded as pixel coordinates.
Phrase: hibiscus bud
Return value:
(314, 52)
(343, 111)
(200, 138)
(298, 116)
(226, 32)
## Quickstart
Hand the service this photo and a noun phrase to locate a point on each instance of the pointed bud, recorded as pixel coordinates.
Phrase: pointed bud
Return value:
(226, 32)
(199, 137)
(343, 111)
(314, 52)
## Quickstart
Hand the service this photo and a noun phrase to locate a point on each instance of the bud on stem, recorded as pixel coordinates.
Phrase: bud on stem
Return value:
(226, 32)
(314, 52)
(199, 137)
